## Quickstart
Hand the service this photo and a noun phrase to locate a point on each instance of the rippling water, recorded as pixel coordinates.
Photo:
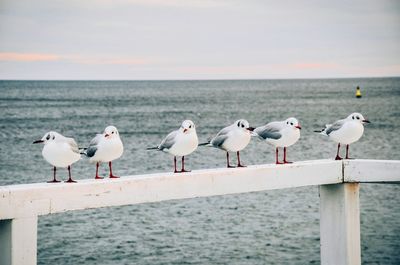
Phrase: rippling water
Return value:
(274, 227)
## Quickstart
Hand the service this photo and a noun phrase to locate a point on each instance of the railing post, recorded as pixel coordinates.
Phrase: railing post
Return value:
(340, 224)
(18, 241)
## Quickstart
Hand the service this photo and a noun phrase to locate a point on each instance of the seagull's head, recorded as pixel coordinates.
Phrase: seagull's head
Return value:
(110, 132)
(188, 127)
(48, 137)
(243, 125)
(358, 117)
(294, 123)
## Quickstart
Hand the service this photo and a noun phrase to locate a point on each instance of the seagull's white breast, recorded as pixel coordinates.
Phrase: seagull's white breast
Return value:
(108, 150)
(185, 144)
(289, 137)
(350, 132)
(59, 154)
(237, 140)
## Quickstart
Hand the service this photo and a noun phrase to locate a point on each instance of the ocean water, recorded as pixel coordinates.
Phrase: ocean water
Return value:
(274, 227)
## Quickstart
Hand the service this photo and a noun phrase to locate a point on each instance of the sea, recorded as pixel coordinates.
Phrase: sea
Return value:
(272, 227)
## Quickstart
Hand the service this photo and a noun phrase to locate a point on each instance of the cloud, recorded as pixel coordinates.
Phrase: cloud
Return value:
(166, 3)
(78, 59)
(27, 57)
(301, 66)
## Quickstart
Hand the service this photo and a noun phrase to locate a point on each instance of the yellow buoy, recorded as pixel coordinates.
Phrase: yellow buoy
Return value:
(358, 92)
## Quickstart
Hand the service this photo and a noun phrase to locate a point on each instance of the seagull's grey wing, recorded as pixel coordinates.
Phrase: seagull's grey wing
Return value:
(92, 148)
(334, 127)
(168, 141)
(73, 145)
(269, 131)
(220, 138)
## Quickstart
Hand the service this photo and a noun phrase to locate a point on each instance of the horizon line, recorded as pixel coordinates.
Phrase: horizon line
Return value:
(209, 79)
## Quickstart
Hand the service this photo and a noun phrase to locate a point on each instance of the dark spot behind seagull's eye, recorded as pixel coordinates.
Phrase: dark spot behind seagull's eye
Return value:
(238, 124)
(48, 137)
(352, 117)
(54, 137)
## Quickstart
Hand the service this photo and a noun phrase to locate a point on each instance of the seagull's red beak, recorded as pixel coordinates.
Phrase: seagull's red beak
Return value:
(106, 135)
(38, 142)
(185, 130)
(298, 127)
(250, 129)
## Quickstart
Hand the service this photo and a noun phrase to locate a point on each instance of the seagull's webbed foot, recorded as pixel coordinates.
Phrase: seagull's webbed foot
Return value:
(338, 158)
(97, 177)
(70, 181)
(240, 165)
(53, 181)
(287, 162)
(113, 177)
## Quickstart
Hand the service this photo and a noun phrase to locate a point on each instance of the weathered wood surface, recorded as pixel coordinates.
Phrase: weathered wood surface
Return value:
(46, 198)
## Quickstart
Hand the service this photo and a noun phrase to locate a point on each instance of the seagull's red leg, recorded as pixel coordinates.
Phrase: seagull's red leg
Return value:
(70, 180)
(284, 157)
(54, 177)
(183, 165)
(347, 152)
(97, 171)
(276, 156)
(175, 171)
(111, 174)
(337, 154)
(238, 159)
(227, 160)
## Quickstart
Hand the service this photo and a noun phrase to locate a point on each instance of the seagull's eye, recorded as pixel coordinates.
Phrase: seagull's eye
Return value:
(190, 126)
(48, 137)
(242, 125)
(358, 118)
(291, 123)
(112, 132)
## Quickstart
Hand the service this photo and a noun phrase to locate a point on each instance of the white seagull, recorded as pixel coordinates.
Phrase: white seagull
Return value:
(105, 147)
(233, 138)
(59, 151)
(346, 131)
(280, 134)
(181, 142)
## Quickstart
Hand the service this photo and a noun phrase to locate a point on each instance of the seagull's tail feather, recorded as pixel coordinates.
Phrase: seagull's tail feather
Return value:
(153, 148)
(82, 151)
(323, 131)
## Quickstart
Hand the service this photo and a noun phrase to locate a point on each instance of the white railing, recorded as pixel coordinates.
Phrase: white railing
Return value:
(20, 205)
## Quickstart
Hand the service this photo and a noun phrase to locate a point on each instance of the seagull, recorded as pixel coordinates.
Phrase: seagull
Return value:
(280, 134)
(59, 151)
(346, 131)
(233, 138)
(105, 147)
(181, 142)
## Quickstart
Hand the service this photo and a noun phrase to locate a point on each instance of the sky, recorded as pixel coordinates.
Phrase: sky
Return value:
(198, 39)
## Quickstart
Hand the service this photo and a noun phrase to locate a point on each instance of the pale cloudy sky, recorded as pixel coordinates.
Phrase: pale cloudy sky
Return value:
(161, 39)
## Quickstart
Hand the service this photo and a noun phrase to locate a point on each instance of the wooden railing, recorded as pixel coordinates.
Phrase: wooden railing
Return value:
(20, 205)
